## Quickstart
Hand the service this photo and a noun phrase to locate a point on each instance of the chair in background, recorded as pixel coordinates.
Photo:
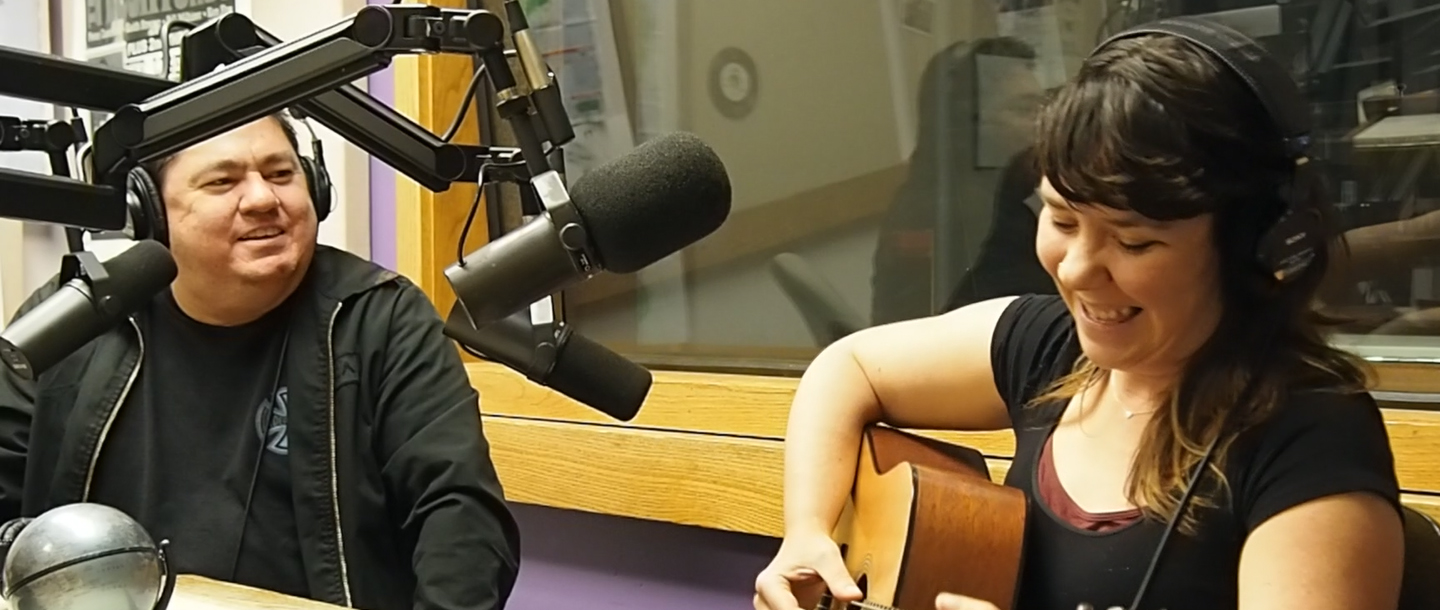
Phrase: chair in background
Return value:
(825, 311)
(1420, 589)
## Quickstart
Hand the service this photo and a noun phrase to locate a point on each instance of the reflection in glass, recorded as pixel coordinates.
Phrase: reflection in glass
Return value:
(880, 157)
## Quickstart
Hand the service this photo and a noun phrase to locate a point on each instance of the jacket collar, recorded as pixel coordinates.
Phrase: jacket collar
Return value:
(337, 275)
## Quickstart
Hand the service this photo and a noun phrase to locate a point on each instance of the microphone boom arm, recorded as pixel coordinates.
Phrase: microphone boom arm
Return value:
(62, 81)
(357, 117)
(283, 74)
(153, 117)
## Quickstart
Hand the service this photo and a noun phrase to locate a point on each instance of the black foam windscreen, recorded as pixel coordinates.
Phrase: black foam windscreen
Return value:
(666, 194)
(598, 377)
(75, 314)
(141, 272)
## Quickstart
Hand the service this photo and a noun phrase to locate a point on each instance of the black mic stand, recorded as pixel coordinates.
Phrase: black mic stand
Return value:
(154, 117)
(54, 138)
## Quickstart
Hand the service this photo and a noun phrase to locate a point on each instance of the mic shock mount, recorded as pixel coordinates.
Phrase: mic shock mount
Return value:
(50, 198)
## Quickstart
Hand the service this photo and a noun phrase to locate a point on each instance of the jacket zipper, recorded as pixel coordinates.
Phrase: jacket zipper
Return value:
(334, 462)
(115, 411)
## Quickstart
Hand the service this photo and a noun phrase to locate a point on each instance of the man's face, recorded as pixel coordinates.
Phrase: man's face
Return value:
(238, 207)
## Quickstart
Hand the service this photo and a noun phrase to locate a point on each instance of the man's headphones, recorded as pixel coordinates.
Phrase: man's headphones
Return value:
(1289, 246)
(147, 206)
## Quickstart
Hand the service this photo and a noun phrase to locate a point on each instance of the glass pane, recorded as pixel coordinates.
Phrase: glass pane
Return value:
(876, 151)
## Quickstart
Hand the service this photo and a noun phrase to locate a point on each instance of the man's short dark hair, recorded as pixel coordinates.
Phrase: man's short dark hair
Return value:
(157, 167)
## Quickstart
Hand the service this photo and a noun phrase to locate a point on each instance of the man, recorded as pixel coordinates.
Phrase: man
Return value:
(289, 416)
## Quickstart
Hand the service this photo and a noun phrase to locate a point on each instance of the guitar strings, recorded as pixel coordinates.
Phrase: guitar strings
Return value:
(827, 600)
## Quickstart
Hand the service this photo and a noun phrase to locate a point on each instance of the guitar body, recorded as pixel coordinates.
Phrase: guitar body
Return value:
(924, 518)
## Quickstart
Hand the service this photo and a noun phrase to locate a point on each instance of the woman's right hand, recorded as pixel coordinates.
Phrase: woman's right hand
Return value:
(804, 568)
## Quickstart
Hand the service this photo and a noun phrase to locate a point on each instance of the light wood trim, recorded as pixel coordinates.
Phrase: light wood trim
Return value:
(200, 593)
(705, 480)
(734, 405)
(428, 90)
(1408, 377)
(757, 406)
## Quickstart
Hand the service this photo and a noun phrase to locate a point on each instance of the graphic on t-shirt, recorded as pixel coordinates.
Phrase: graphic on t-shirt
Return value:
(275, 435)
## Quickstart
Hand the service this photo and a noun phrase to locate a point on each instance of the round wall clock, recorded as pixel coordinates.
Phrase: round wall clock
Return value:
(734, 83)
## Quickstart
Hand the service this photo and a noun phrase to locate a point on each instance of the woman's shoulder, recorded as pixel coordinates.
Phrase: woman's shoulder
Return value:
(1316, 442)
(1034, 344)
(1034, 319)
(1301, 413)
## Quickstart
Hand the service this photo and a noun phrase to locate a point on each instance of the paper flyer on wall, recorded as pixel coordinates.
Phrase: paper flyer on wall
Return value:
(127, 33)
(577, 39)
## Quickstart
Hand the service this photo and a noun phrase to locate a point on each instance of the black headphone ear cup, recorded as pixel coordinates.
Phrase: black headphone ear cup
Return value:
(318, 181)
(147, 207)
(1288, 247)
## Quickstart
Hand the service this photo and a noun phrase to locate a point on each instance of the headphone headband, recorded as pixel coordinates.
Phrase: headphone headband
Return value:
(1265, 76)
(1288, 247)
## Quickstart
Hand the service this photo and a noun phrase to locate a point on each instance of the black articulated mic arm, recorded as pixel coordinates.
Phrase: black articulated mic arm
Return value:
(57, 199)
(154, 117)
(351, 113)
(281, 75)
(68, 82)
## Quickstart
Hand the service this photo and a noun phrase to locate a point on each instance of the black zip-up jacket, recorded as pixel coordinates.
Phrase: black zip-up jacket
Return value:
(397, 502)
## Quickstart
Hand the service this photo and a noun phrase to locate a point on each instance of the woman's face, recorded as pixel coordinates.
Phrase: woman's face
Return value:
(1145, 294)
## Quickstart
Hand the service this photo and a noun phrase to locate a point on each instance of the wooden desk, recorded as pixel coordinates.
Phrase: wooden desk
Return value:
(197, 593)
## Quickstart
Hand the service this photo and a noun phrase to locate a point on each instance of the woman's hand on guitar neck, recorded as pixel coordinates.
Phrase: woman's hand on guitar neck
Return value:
(804, 569)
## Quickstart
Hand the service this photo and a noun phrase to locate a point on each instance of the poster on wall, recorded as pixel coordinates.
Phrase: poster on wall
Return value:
(104, 44)
(577, 39)
(127, 33)
(144, 31)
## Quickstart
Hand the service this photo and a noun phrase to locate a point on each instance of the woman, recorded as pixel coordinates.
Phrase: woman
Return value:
(1167, 343)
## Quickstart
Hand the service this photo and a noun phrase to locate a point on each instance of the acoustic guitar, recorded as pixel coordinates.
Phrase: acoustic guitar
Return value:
(924, 518)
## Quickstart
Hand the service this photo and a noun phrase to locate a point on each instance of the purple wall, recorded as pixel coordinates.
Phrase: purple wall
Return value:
(571, 559)
(381, 86)
(580, 560)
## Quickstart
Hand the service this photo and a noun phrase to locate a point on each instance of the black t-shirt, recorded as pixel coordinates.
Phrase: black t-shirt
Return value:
(1317, 444)
(181, 454)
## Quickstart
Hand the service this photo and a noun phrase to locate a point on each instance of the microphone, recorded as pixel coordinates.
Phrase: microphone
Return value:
(621, 216)
(555, 356)
(92, 299)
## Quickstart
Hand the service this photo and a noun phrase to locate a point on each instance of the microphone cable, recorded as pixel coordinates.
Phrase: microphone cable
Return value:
(1246, 396)
(1174, 521)
(264, 434)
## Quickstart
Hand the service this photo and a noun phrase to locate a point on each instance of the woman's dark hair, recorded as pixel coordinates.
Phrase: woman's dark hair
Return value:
(1156, 125)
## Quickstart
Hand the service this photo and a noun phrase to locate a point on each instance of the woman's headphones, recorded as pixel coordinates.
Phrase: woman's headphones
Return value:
(147, 207)
(1289, 246)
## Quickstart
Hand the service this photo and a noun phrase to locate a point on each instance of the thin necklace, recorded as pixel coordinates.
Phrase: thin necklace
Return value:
(1129, 414)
